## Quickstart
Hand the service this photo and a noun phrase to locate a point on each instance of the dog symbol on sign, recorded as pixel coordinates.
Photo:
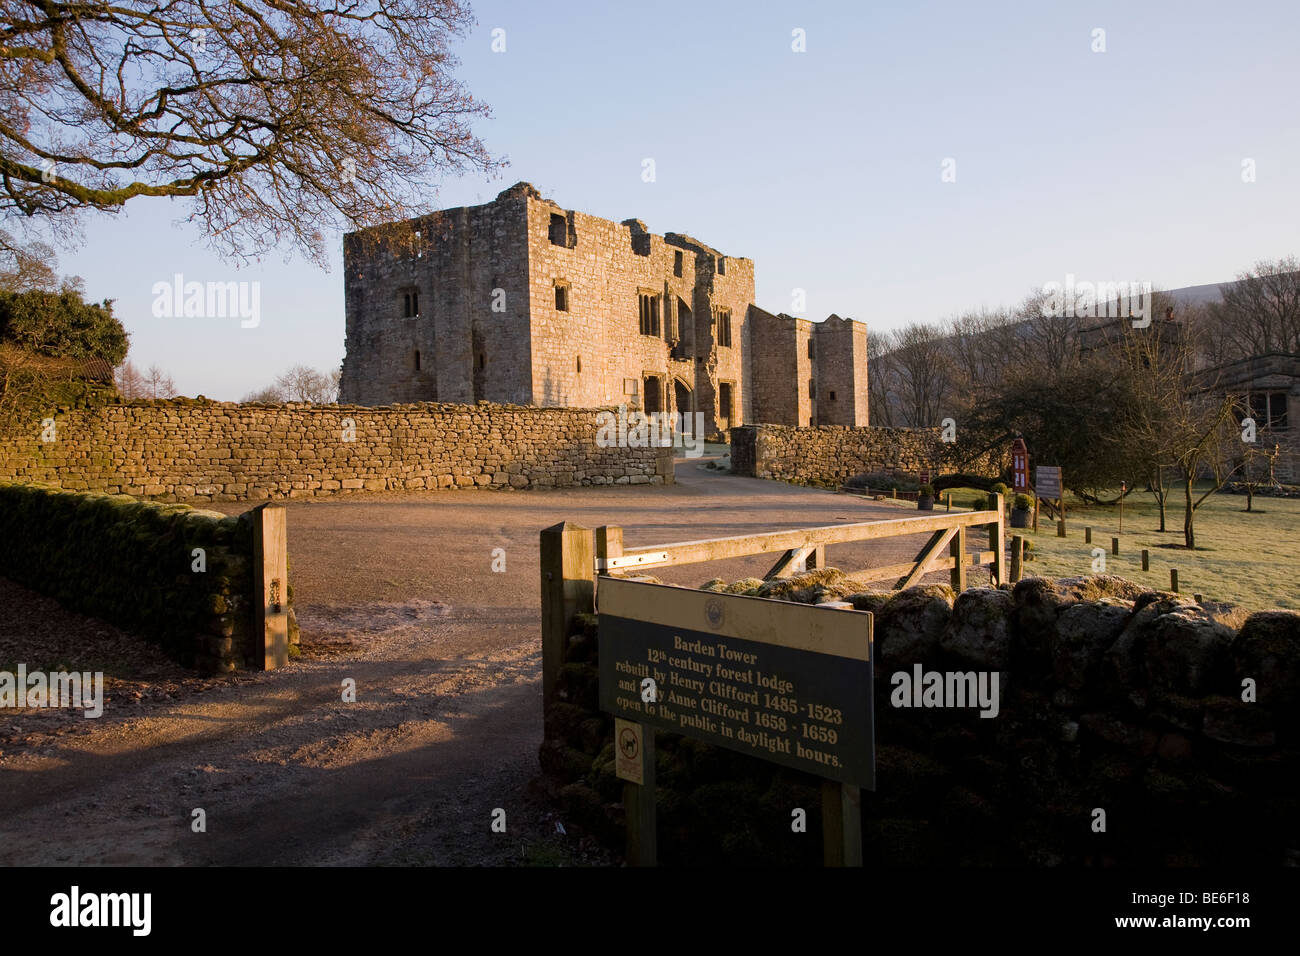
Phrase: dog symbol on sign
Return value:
(627, 743)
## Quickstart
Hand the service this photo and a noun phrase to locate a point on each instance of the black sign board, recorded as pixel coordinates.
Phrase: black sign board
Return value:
(790, 683)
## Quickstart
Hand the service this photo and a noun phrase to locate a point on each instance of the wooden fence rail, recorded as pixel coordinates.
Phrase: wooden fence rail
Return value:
(805, 548)
(572, 556)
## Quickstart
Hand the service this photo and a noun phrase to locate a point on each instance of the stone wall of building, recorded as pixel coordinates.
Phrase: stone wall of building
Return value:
(584, 355)
(841, 372)
(778, 368)
(185, 449)
(471, 334)
(829, 454)
(1178, 721)
(522, 300)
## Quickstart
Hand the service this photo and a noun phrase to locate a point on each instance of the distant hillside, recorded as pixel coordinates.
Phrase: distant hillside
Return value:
(1199, 294)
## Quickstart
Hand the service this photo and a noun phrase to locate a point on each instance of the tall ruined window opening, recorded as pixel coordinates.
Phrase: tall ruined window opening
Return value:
(562, 296)
(724, 328)
(559, 231)
(648, 313)
(677, 264)
(653, 396)
(410, 304)
(724, 405)
(417, 360)
(722, 265)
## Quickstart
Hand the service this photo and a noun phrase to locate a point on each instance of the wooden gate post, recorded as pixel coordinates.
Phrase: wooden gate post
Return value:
(841, 824)
(609, 541)
(638, 798)
(568, 589)
(1017, 557)
(998, 545)
(957, 548)
(270, 586)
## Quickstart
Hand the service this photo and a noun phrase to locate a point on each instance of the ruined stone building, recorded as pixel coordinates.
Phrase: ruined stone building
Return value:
(521, 301)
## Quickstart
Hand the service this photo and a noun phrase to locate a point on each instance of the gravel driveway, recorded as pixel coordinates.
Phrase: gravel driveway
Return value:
(396, 592)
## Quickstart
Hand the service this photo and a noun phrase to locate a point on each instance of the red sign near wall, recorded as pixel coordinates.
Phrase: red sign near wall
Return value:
(1019, 466)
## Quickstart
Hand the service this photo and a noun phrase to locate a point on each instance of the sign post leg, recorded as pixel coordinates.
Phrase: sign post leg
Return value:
(841, 824)
(639, 807)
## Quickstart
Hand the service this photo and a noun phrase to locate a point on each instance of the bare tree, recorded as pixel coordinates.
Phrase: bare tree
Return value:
(303, 384)
(270, 394)
(1258, 469)
(157, 384)
(882, 380)
(27, 266)
(1260, 312)
(925, 373)
(271, 116)
(129, 381)
(1173, 419)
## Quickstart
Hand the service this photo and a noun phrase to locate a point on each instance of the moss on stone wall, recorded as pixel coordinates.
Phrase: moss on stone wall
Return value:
(1109, 697)
(131, 563)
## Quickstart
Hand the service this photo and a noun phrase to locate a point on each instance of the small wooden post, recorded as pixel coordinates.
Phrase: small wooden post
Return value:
(948, 500)
(957, 548)
(998, 545)
(1114, 545)
(817, 559)
(1036, 500)
(841, 824)
(1060, 528)
(639, 807)
(609, 541)
(1146, 560)
(1087, 535)
(1173, 580)
(568, 589)
(1017, 557)
(271, 585)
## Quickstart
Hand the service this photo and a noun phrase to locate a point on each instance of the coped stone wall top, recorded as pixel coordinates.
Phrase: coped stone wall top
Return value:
(455, 408)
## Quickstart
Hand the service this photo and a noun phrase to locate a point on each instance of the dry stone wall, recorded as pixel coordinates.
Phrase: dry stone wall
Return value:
(185, 449)
(181, 578)
(829, 454)
(1180, 721)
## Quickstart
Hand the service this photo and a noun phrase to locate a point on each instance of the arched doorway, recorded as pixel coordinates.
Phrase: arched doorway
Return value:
(683, 406)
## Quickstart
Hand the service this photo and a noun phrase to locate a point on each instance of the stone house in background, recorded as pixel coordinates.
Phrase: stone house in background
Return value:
(1268, 387)
(521, 301)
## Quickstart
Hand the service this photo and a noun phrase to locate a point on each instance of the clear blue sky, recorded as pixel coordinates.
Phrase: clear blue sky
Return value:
(824, 167)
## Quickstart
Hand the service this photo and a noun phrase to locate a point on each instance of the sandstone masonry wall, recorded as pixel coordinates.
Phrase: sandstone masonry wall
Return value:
(185, 449)
(131, 563)
(1110, 697)
(832, 453)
